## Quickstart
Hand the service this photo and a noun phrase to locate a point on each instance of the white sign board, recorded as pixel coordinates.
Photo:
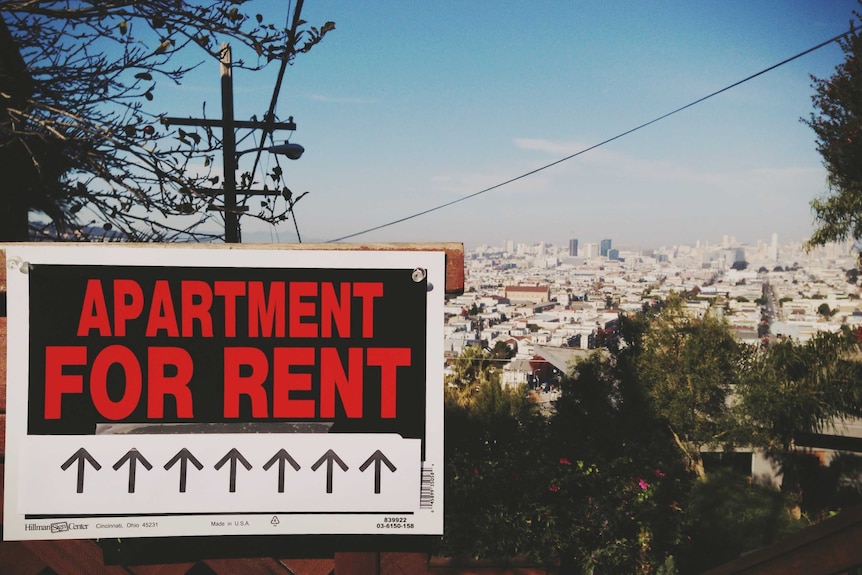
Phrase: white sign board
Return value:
(170, 391)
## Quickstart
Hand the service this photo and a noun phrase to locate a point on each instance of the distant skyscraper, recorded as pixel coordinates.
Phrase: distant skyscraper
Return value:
(510, 246)
(604, 247)
(773, 248)
(573, 248)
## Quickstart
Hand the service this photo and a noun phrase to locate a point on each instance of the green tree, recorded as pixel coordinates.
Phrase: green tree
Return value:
(495, 445)
(617, 488)
(687, 367)
(469, 369)
(81, 140)
(501, 351)
(837, 124)
(793, 389)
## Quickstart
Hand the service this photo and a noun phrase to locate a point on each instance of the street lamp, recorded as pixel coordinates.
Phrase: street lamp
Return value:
(231, 216)
(287, 149)
(292, 151)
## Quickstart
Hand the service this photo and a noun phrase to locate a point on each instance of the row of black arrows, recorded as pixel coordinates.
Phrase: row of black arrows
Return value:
(233, 457)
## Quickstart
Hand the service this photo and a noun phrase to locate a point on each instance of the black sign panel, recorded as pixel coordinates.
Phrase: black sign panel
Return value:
(245, 346)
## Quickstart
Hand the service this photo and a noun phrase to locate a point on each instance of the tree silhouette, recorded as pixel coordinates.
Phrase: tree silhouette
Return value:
(84, 145)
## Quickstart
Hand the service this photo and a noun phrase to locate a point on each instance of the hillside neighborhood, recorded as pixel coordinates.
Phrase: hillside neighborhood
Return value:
(550, 305)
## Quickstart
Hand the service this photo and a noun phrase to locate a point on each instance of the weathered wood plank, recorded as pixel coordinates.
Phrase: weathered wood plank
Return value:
(310, 566)
(832, 546)
(18, 560)
(73, 557)
(403, 563)
(454, 254)
(357, 563)
(263, 566)
(169, 569)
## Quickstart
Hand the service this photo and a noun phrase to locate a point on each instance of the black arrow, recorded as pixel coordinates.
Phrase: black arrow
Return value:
(233, 456)
(329, 457)
(133, 456)
(81, 456)
(184, 456)
(377, 458)
(281, 457)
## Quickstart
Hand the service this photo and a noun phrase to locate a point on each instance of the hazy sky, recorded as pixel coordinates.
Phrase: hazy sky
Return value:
(410, 105)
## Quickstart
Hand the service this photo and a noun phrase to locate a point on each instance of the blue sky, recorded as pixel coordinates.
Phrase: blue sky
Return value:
(409, 105)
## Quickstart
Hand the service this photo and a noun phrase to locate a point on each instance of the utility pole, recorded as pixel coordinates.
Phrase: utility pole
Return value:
(228, 125)
(229, 160)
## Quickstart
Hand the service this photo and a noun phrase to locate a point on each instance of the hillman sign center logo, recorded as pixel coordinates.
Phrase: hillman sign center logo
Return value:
(159, 391)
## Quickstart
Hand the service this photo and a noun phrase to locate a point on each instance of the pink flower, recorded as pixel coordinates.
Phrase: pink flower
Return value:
(643, 484)
(553, 488)
(565, 461)
(659, 473)
(475, 471)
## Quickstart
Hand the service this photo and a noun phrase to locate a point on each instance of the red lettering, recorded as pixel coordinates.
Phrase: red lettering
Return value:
(235, 384)
(297, 308)
(56, 382)
(229, 290)
(265, 315)
(128, 304)
(107, 407)
(334, 308)
(197, 299)
(285, 382)
(159, 385)
(94, 312)
(368, 291)
(389, 359)
(162, 316)
(349, 384)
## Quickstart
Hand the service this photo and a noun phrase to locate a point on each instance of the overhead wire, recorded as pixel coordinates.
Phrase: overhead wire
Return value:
(594, 146)
(294, 19)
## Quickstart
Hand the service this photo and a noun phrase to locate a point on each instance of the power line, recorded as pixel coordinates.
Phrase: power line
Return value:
(594, 146)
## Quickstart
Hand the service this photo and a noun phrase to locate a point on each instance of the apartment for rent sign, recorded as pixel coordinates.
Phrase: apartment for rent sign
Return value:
(215, 391)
